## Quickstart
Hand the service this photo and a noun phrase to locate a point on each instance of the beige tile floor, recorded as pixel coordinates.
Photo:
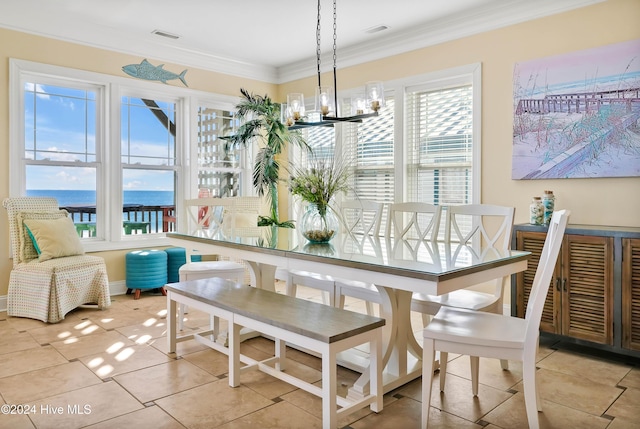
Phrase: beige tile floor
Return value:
(109, 369)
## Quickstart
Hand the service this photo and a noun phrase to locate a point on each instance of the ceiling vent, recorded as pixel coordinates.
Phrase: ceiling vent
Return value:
(165, 34)
(376, 29)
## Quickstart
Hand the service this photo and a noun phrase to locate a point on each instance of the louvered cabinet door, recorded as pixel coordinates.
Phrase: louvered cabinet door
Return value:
(631, 294)
(587, 288)
(533, 242)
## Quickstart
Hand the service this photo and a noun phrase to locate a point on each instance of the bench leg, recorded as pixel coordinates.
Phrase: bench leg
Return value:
(234, 354)
(171, 324)
(182, 310)
(329, 391)
(375, 357)
(281, 354)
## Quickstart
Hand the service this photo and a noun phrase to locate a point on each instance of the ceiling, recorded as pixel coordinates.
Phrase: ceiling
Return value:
(271, 40)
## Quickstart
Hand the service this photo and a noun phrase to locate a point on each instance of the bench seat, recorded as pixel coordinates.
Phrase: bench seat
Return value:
(322, 329)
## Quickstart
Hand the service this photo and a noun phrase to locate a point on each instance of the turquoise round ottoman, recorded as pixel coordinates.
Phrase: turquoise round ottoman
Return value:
(146, 269)
(177, 257)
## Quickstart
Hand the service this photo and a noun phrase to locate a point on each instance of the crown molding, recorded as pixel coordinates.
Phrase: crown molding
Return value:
(462, 25)
(146, 47)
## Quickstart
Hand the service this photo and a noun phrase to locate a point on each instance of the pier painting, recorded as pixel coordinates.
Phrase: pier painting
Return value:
(577, 115)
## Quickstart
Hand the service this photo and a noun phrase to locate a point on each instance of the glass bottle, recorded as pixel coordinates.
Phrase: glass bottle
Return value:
(536, 211)
(548, 201)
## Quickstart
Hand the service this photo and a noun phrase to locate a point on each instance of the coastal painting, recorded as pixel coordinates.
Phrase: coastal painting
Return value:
(577, 115)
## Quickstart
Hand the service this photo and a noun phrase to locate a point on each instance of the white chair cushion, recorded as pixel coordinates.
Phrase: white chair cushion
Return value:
(477, 328)
(462, 298)
(211, 266)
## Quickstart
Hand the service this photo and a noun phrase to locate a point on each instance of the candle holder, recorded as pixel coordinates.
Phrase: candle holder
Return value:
(325, 103)
(295, 101)
(374, 91)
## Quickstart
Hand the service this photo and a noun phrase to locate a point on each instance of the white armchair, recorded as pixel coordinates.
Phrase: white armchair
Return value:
(47, 284)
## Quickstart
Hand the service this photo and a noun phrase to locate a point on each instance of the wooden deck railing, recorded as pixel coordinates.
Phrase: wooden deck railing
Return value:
(159, 218)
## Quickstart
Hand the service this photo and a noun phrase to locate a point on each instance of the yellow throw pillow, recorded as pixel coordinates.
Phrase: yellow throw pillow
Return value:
(27, 250)
(54, 238)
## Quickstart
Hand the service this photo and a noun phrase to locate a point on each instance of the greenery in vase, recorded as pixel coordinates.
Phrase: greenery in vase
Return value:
(320, 182)
(260, 118)
(317, 185)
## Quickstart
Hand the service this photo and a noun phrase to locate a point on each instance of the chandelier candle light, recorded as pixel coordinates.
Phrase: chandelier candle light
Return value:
(362, 106)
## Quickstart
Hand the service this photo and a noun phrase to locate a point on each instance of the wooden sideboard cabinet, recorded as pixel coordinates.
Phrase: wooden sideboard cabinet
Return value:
(631, 294)
(594, 297)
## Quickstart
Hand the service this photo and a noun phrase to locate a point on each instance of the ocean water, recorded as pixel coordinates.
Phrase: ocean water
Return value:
(66, 198)
(145, 198)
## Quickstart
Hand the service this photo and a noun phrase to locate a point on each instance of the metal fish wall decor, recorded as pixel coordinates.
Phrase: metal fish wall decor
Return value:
(147, 71)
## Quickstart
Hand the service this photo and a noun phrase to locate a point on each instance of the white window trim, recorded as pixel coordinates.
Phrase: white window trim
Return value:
(108, 180)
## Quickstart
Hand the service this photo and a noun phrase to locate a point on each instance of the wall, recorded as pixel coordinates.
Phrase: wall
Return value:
(612, 201)
(609, 201)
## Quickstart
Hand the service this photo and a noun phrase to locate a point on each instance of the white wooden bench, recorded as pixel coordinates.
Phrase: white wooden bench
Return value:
(319, 328)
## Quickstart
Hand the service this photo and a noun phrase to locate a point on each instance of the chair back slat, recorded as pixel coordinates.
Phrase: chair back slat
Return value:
(483, 229)
(420, 221)
(488, 224)
(361, 216)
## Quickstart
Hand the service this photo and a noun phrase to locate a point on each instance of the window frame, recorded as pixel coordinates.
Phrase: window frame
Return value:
(108, 144)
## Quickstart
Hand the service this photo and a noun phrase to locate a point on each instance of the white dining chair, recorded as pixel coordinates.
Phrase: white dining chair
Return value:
(413, 220)
(482, 228)
(208, 217)
(359, 219)
(476, 333)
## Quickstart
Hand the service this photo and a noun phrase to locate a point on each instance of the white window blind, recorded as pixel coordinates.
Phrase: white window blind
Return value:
(370, 145)
(440, 145)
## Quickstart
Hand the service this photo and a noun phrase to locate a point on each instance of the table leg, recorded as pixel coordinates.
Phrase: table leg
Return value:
(263, 276)
(401, 360)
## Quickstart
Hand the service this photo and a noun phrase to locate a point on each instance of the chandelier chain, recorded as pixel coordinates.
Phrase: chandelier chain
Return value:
(335, 34)
(318, 43)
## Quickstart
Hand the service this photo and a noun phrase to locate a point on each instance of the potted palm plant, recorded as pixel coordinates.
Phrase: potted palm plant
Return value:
(261, 121)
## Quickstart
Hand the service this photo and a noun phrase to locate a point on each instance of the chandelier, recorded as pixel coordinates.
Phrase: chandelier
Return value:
(362, 105)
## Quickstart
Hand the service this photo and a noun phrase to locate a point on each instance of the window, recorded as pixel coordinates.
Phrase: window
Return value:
(116, 152)
(62, 144)
(440, 145)
(424, 145)
(149, 162)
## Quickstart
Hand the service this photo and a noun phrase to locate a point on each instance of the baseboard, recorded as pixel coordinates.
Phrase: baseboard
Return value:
(118, 288)
(115, 288)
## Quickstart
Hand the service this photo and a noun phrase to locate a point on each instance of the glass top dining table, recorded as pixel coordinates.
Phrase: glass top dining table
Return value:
(397, 268)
